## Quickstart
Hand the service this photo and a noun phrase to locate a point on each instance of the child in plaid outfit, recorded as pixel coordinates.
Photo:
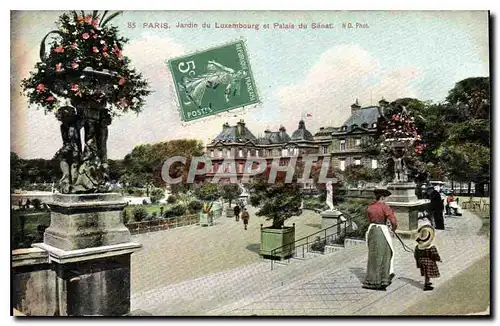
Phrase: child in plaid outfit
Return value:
(426, 255)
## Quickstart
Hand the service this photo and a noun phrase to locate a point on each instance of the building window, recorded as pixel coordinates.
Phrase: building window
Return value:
(357, 161)
(212, 153)
(344, 128)
(357, 142)
(257, 152)
(284, 152)
(374, 125)
(342, 165)
(241, 153)
(323, 149)
(374, 164)
(220, 152)
(342, 145)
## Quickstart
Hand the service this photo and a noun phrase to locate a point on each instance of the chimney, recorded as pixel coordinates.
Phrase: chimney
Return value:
(225, 126)
(355, 107)
(240, 128)
(383, 103)
(282, 132)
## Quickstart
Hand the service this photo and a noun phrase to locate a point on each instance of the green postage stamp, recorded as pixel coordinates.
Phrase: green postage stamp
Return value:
(213, 81)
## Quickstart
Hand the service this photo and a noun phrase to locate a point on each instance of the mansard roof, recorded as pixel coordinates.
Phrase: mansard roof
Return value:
(302, 133)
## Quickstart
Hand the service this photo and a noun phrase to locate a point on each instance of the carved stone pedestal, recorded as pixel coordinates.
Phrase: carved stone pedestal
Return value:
(92, 281)
(406, 207)
(89, 248)
(80, 221)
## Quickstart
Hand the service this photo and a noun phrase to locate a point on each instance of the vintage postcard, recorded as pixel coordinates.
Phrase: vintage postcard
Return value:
(250, 163)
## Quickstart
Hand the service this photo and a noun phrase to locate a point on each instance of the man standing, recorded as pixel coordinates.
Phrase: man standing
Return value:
(237, 211)
(245, 217)
(380, 266)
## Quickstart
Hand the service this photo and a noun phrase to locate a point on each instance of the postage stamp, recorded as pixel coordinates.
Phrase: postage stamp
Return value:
(213, 81)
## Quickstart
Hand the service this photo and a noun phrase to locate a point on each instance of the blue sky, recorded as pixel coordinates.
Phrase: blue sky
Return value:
(317, 71)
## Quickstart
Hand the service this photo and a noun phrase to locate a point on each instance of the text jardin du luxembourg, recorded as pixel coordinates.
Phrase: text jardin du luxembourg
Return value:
(284, 26)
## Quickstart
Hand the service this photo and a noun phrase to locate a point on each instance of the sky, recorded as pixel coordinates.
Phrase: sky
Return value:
(316, 71)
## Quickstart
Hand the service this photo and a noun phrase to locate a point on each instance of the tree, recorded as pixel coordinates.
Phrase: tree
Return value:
(362, 173)
(144, 164)
(277, 201)
(465, 149)
(208, 192)
(156, 195)
(230, 191)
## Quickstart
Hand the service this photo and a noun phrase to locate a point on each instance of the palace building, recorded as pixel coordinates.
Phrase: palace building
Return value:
(341, 145)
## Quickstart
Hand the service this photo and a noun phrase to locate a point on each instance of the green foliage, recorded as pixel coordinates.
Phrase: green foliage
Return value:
(37, 204)
(276, 201)
(85, 42)
(125, 216)
(156, 194)
(194, 206)
(185, 197)
(355, 211)
(230, 191)
(176, 210)
(208, 191)
(171, 199)
(362, 173)
(144, 164)
(315, 203)
(465, 147)
(154, 215)
(140, 213)
(25, 173)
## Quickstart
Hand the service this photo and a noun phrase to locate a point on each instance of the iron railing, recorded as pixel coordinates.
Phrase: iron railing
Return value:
(329, 238)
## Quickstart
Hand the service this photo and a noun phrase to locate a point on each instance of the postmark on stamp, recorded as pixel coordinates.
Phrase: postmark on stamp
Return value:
(212, 81)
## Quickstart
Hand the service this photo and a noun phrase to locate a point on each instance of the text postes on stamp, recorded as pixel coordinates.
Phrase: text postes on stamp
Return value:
(213, 81)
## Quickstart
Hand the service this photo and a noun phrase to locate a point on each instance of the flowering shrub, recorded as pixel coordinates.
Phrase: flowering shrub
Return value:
(85, 43)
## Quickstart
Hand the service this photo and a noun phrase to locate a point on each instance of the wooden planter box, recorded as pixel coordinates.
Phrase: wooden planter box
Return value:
(274, 238)
(206, 219)
(229, 212)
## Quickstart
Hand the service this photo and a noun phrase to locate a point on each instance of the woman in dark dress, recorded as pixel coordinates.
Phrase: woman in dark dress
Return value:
(436, 208)
(379, 271)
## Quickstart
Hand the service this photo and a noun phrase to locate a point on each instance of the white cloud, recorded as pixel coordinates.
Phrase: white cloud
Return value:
(342, 74)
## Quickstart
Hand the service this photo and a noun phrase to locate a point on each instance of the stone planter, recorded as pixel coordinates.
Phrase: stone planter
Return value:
(206, 219)
(275, 238)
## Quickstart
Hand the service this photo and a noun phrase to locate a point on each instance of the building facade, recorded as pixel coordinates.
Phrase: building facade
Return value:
(342, 146)
(348, 139)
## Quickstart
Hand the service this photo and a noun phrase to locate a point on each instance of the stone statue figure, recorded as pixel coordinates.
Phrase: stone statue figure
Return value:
(400, 172)
(329, 195)
(70, 152)
(84, 170)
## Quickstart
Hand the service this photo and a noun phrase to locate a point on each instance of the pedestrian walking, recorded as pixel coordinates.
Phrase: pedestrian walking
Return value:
(426, 255)
(380, 266)
(435, 208)
(245, 217)
(237, 211)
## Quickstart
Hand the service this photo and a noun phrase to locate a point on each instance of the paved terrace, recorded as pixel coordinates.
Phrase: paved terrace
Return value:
(242, 284)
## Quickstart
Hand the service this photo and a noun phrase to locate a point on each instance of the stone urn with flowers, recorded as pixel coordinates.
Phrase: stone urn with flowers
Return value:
(85, 80)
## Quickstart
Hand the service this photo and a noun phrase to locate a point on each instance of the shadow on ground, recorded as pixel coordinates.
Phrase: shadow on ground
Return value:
(254, 247)
(359, 272)
(410, 281)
